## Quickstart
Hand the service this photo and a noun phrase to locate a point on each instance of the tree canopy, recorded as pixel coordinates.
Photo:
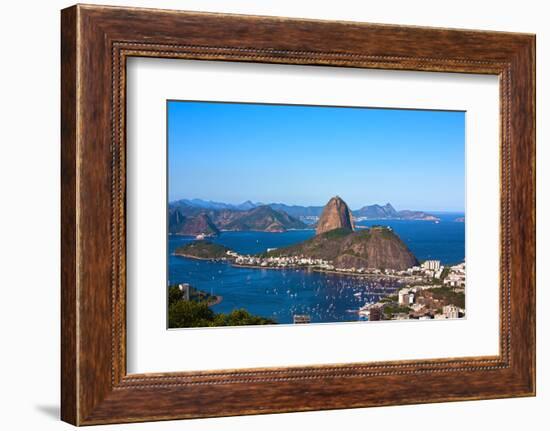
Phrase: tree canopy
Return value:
(197, 313)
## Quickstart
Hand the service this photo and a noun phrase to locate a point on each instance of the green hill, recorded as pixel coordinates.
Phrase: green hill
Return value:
(264, 218)
(202, 250)
(377, 247)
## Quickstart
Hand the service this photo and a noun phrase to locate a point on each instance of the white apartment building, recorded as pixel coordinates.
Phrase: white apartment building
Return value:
(185, 289)
(405, 297)
(454, 280)
(434, 265)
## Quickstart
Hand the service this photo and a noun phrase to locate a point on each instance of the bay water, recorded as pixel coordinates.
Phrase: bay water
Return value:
(280, 294)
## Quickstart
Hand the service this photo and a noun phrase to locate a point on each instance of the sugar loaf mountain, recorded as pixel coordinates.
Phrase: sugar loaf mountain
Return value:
(336, 240)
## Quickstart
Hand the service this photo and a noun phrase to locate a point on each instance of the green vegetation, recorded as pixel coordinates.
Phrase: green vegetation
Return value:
(384, 231)
(361, 235)
(377, 247)
(240, 317)
(322, 246)
(391, 298)
(196, 313)
(189, 314)
(336, 233)
(445, 273)
(175, 294)
(449, 296)
(263, 218)
(396, 309)
(390, 310)
(202, 250)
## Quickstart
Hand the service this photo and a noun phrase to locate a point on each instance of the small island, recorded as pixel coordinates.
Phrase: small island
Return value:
(203, 249)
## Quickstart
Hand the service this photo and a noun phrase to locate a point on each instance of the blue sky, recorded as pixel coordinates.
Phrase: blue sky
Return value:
(303, 155)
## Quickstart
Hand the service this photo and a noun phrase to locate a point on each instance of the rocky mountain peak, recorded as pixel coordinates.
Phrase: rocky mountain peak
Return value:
(336, 214)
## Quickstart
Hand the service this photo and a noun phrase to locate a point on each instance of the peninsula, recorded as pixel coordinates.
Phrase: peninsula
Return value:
(337, 241)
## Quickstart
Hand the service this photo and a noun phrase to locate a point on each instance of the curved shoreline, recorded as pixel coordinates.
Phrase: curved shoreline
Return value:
(373, 276)
(387, 277)
(212, 259)
(323, 271)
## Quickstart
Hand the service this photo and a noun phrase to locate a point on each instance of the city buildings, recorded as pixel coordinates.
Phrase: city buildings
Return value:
(432, 264)
(419, 298)
(302, 318)
(185, 289)
(375, 314)
(451, 312)
(405, 297)
(456, 276)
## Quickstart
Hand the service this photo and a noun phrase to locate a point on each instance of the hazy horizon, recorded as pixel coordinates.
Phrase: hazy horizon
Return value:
(304, 155)
(315, 205)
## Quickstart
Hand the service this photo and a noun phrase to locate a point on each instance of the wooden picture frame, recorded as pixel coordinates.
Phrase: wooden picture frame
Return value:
(95, 43)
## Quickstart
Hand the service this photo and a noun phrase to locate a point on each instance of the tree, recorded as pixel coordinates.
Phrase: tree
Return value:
(240, 317)
(196, 313)
(189, 314)
(174, 294)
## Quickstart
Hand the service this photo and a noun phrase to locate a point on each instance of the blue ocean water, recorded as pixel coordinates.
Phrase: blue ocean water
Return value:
(280, 294)
(443, 241)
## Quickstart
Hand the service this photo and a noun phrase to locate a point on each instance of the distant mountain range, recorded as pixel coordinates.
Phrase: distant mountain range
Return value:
(185, 219)
(377, 212)
(212, 205)
(308, 214)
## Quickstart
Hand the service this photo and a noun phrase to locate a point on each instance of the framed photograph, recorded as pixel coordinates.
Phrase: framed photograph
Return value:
(325, 214)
